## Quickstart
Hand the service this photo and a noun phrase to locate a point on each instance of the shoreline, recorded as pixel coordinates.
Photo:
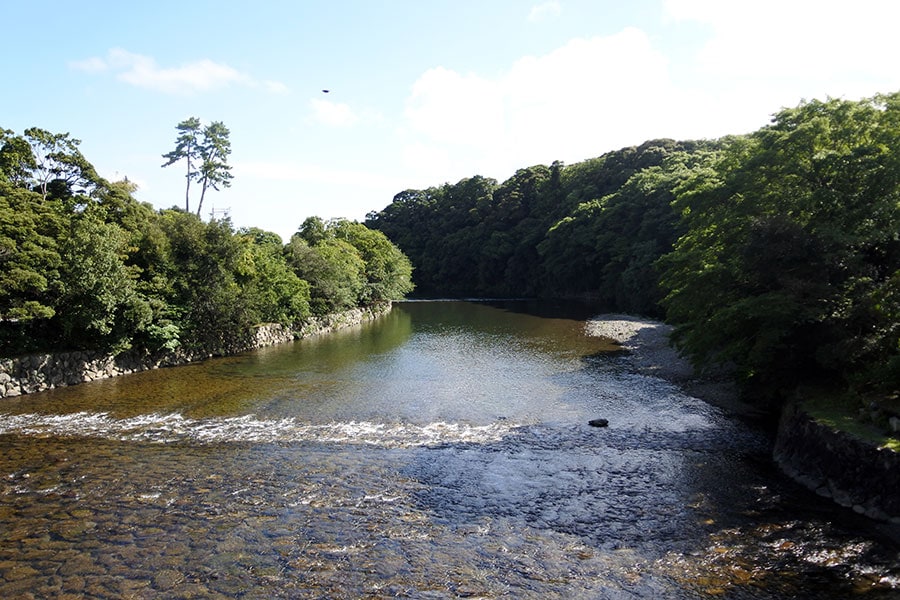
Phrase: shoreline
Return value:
(825, 460)
(31, 373)
(647, 349)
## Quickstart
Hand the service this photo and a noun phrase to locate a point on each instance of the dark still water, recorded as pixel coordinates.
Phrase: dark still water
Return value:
(442, 451)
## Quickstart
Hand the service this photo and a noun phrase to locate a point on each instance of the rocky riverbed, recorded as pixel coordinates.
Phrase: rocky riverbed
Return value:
(647, 349)
(831, 463)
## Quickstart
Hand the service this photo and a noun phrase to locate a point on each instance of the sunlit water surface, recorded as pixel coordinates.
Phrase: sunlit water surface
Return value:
(442, 451)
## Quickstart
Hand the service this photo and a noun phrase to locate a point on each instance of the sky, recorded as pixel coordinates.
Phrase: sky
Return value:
(420, 92)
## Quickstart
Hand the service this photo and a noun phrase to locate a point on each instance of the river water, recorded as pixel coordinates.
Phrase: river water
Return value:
(441, 451)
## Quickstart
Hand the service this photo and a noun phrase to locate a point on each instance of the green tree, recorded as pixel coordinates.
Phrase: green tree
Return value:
(334, 269)
(212, 312)
(99, 306)
(791, 246)
(49, 163)
(29, 257)
(58, 165)
(187, 148)
(16, 159)
(271, 288)
(214, 171)
(388, 271)
(313, 231)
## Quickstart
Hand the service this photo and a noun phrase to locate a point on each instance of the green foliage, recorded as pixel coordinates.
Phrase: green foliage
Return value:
(561, 230)
(205, 152)
(16, 159)
(29, 256)
(214, 172)
(388, 272)
(334, 269)
(795, 228)
(187, 148)
(99, 306)
(85, 265)
(776, 253)
(313, 231)
(347, 264)
(273, 291)
(203, 264)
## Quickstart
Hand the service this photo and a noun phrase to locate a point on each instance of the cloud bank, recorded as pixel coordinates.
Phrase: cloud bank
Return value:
(192, 77)
(746, 61)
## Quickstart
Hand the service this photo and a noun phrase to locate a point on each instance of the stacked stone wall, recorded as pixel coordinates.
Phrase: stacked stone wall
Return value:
(39, 372)
(837, 465)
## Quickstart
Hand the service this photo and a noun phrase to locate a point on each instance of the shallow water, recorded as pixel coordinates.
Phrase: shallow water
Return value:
(440, 452)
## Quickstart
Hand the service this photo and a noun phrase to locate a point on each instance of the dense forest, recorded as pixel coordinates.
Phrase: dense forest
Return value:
(775, 253)
(84, 265)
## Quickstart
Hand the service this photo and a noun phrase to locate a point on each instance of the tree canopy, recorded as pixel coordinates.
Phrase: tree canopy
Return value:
(205, 151)
(548, 231)
(84, 265)
(796, 228)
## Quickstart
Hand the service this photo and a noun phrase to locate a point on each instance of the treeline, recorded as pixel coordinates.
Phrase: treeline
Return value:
(592, 229)
(775, 253)
(84, 265)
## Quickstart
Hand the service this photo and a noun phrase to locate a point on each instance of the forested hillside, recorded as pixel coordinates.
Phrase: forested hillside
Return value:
(588, 228)
(776, 252)
(83, 265)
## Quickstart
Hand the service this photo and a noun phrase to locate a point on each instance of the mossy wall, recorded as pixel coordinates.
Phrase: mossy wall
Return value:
(838, 465)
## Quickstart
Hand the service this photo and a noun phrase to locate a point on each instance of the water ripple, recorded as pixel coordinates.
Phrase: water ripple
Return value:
(168, 428)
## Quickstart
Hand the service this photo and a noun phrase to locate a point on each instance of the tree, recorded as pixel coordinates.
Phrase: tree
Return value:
(99, 306)
(187, 148)
(312, 231)
(205, 152)
(29, 256)
(60, 165)
(48, 163)
(214, 168)
(788, 265)
(204, 260)
(16, 158)
(388, 271)
(271, 288)
(334, 269)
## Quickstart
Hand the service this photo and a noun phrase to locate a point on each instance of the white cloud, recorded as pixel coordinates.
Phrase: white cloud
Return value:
(276, 87)
(143, 71)
(453, 108)
(594, 95)
(333, 113)
(90, 65)
(800, 48)
(585, 98)
(546, 10)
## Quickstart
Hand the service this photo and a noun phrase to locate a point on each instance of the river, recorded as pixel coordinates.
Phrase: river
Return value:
(441, 451)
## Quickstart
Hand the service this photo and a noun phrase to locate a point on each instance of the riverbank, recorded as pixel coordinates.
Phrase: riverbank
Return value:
(833, 463)
(647, 350)
(39, 372)
(837, 464)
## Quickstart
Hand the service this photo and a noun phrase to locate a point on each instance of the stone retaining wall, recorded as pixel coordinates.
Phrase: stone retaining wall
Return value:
(838, 465)
(39, 372)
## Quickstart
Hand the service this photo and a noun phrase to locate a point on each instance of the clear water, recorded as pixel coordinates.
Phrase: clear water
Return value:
(442, 451)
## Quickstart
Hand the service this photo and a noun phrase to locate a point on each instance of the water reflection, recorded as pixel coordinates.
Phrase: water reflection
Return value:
(440, 452)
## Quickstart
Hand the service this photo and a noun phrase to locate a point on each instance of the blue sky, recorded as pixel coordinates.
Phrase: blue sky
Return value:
(420, 92)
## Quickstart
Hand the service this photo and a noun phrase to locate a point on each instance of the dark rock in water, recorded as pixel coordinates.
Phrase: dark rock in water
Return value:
(598, 423)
